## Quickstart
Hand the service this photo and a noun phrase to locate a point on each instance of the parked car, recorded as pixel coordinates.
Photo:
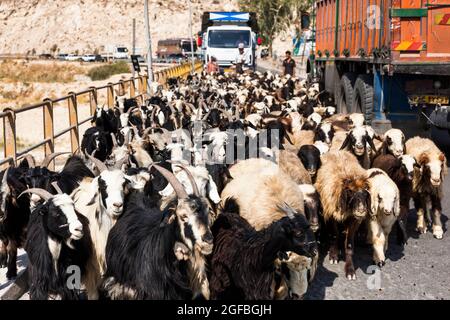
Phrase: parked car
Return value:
(62, 56)
(72, 57)
(99, 58)
(46, 56)
(88, 58)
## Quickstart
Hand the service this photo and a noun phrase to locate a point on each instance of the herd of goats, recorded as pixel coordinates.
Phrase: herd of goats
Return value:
(218, 187)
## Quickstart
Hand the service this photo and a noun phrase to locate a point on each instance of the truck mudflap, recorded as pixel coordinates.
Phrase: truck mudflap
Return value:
(440, 117)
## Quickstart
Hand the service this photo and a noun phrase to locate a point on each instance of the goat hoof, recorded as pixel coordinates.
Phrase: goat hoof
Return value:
(333, 261)
(351, 276)
(438, 233)
(421, 230)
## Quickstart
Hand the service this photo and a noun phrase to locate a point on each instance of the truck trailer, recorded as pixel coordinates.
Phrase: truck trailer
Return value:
(388, 59)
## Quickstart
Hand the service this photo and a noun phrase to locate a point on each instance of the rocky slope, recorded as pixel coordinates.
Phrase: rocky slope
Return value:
(86, 25)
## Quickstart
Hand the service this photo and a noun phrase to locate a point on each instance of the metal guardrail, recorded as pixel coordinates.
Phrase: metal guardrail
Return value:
(137, 90)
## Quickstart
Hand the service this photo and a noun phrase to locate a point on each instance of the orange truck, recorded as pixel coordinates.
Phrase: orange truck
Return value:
(389, 59)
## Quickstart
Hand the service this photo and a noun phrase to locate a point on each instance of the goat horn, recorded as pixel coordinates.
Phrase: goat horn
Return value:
(171, 106)
(118, 165)
(152, 116)
(50, 157)
(99, 164)
(57, 188)
(207, 115)
(190, 176)
(5, 176)
(290, 212)
(114, 140)
(136, 131)
(226, 114)
(130, 111)
(30, 160)
(170, 177)
(44, 194)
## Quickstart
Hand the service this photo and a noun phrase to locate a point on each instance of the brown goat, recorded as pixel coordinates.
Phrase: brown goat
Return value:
(344, 190)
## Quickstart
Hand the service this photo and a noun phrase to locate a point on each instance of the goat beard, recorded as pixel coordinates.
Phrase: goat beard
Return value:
(70, 244)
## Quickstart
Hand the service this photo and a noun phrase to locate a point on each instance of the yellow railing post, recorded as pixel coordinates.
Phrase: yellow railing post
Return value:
(110, 96)
(49, 147)
(73, 122)
(9, 134)
(132, 88)
(93, 102)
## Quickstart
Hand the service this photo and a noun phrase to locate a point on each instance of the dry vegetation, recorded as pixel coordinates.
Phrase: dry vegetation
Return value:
(24, 71)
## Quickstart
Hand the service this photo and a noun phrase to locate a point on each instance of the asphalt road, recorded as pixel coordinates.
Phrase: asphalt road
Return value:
(419, 270)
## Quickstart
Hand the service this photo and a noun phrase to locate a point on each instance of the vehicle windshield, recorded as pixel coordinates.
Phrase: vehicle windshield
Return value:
(186, 46)
(122, 50)
(228, 38)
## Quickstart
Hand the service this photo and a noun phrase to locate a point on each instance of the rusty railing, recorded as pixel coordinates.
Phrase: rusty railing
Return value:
(137, 89)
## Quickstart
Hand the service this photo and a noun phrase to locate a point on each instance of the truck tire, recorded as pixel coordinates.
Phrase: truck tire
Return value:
(344, 93)
(363, 97)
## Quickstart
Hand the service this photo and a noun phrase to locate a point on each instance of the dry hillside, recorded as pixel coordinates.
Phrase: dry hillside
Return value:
(86, 25)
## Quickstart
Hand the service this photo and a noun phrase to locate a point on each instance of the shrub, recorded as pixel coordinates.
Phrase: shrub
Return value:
(106, 71)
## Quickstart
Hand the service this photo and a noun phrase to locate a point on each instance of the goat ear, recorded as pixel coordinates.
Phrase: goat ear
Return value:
(423, 159)
(93, 199)
(287, 124)
(370, 141)
(213, 194)
(384, 148)
(347, 142)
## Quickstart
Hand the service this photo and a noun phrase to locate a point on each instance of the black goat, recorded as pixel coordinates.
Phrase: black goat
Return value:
(14, 216)
(58, 239)
(106, 120)
(97, 142)
(140, 257)
(251, 278)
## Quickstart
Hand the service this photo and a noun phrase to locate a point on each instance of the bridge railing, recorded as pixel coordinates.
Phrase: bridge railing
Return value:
(105, 95)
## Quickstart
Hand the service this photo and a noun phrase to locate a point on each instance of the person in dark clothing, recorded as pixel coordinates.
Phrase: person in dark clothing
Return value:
(289, 64)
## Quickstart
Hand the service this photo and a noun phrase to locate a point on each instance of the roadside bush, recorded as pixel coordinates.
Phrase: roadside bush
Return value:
(106, 71)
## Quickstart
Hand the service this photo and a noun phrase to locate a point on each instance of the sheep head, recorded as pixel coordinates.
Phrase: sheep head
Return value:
(355, 197)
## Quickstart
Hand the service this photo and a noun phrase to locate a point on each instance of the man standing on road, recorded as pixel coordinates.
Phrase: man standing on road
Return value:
(241, 59)
(289, 65)
(212, 66)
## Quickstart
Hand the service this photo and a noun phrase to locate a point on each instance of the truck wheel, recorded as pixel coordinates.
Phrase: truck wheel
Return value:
(344, 93)
(363, 97)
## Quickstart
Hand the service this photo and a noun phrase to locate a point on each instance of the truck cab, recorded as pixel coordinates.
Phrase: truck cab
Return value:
(222, 34)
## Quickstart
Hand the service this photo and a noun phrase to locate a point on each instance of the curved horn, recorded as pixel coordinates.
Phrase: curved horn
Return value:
(170, 177)
(172, 108)
(57, 188)
(152, 116)
(131, 110)
(226, 114)
(207, 115)
(135, 131)
(30, 160)
(114, 140)
(99, 164)
(50, 157)
(118, 165)
(5, 176)
(190, 176)
(44, 194)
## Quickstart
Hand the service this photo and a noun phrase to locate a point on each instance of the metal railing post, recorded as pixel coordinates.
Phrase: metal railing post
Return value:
(73, 121)
(132, 88)
(93, 102)
(110, 95)
(49, 132)
(9, 134)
